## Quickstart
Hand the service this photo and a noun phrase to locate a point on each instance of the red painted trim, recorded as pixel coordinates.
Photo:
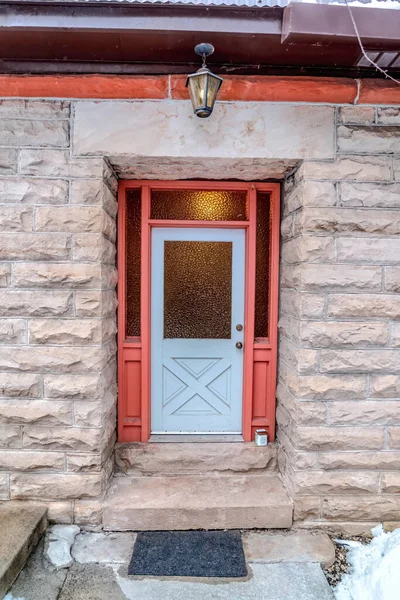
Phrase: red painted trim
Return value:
(145, 295)
(379, 91)
(277, 89)
(251, 88)
(137, 428)
(249, 316)
(84, 86)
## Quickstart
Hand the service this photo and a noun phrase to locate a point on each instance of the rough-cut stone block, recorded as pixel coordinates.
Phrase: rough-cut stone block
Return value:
(321, 439)
(359, 361)
(324, 334)
(12, 331)
(391, 483)
(191, 459)
(34, 246)
(14, 385)
(10, 436)
(246, 169)
(34, 109)
(81, 463)
(35, 412)
(327, 387)
(72, 219)
(33, 191)
(309, 249)
(356, 168)
(169, 130)
(71, 331)
(395, 335)
(305, 361)
(368, 139)
(54, 486)
(95, 303)
(302, 305)
(330, 483)
(310, 193)
(196, 502)
(92, 414)
(49, 359)
(359, 461)
(385, 386)
(308, 277)
(62, 438)
(361, 508)
(88, 513)
(380, 412)
(363, 306)
(394, 437)
(60, 512)
(5, 275)
(93, 248)
(295, 547)
(362, 250)
(80, 387)
(93, 191)
(392, 278)
(357, 114)
(396, 169)
(31, 461)
(58, 163)
(8, 161)
(16, 218)
(29, 303)
(337, 220)
(370, 195)
(389, 115)
(306, 508)
(70, 275)
(23, 132)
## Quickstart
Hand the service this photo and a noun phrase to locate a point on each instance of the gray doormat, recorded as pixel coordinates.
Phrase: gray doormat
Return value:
(188, 554)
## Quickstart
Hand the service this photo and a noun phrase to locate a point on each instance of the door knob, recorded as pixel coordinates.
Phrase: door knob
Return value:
(239, 345)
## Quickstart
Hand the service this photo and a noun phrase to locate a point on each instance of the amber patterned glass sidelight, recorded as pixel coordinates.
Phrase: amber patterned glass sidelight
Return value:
(197, 289)
(199, 205)
(263, 240)
(132, 249)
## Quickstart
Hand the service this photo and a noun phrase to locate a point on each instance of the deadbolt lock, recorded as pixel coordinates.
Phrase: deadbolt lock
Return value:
(239, 345)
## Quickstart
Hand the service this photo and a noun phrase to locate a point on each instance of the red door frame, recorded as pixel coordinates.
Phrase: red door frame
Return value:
(260, 356)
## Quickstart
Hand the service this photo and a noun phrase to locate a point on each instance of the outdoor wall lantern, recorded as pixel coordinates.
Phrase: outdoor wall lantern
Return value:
(203, 85)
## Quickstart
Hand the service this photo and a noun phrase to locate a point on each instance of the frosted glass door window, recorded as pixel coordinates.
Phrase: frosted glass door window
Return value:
(197, 289)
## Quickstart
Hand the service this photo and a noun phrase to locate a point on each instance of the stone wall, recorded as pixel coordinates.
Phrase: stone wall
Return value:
(339, 388)
(57, 313)
(339, 383)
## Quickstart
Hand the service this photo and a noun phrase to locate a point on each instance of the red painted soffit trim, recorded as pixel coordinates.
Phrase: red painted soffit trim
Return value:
(251, 88)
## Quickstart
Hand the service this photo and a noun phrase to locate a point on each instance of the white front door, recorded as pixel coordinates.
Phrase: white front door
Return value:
(197, 313)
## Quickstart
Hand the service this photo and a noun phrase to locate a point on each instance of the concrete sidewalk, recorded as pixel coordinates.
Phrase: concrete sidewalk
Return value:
(101, 560)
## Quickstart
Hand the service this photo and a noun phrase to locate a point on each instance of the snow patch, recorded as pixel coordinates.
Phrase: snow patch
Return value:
(375, 572)
(11, 597)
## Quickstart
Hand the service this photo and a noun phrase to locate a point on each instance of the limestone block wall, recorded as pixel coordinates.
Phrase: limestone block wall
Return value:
(57, 313)
(339, 376)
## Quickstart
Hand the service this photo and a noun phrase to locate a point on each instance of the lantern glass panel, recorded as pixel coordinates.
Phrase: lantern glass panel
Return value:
(197, 85)
(213, 87)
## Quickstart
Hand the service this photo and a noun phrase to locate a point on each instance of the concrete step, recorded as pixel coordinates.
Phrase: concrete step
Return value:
(194, 458)
(21, 528)
(197, 502)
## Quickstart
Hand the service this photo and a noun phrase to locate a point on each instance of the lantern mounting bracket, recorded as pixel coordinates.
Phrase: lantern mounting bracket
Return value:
(204, 49)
